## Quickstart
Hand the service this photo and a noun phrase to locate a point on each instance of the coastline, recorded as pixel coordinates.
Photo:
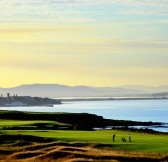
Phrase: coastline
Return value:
(110, 98)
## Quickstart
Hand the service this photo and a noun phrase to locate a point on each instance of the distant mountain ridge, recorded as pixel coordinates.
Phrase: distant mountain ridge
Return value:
(58, 91)
(163, 94)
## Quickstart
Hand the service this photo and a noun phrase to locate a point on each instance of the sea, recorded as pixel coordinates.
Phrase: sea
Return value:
(155, 110)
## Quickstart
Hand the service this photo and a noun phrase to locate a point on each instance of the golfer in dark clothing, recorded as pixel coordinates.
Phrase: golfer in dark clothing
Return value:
(129, 136)
(113, 137)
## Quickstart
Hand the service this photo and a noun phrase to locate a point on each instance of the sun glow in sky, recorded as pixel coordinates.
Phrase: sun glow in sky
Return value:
(84, 42)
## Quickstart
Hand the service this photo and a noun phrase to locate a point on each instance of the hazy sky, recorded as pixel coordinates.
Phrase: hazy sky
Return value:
(84, 42)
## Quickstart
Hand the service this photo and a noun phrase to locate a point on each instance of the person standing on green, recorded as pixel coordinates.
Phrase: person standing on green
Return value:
(113, 137)
(129, 137)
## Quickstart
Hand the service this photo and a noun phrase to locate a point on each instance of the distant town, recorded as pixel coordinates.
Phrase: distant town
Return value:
(15, 100)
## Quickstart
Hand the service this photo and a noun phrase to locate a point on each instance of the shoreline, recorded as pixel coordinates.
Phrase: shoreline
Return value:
(78, 123)
(111, 98)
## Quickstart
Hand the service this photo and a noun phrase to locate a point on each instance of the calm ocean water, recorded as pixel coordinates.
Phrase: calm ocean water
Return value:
(138, 110)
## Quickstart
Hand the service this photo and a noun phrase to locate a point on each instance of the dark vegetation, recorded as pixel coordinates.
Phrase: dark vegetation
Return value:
(141, 130)
(78, 121)
(5, 138)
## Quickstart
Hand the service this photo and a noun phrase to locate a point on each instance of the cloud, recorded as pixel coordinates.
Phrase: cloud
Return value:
(48, 10)
(142, 7)
(36, 29)
(99, 46)
(77, 10)
(143, 22)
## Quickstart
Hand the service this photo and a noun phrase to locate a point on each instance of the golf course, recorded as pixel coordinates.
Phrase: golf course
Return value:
(48, 140)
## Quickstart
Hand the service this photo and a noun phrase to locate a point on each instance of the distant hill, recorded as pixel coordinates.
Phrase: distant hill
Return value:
(57, 91)
(149, 89)
(163, 94)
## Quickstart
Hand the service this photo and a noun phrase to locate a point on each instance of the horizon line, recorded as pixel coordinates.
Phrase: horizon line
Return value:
(82, 85)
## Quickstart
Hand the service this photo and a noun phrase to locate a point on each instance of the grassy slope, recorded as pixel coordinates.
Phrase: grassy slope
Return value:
(140, 142)
(31, 124)
(22, 123)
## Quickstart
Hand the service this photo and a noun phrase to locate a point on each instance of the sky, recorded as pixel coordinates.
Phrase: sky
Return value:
(84, 42)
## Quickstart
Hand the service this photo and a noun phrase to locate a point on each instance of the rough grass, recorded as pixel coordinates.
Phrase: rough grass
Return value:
(67, 151)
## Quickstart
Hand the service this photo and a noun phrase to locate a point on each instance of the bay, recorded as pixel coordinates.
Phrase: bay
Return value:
(138, 110)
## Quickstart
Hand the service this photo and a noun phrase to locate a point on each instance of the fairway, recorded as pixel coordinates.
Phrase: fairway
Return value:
(33, 124)
(140, 142)
(33, 139)
(23, 123)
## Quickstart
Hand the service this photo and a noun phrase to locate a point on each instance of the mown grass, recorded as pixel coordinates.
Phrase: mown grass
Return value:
(22, 123)
(27, 123)
(141, 142)
(69, 145)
